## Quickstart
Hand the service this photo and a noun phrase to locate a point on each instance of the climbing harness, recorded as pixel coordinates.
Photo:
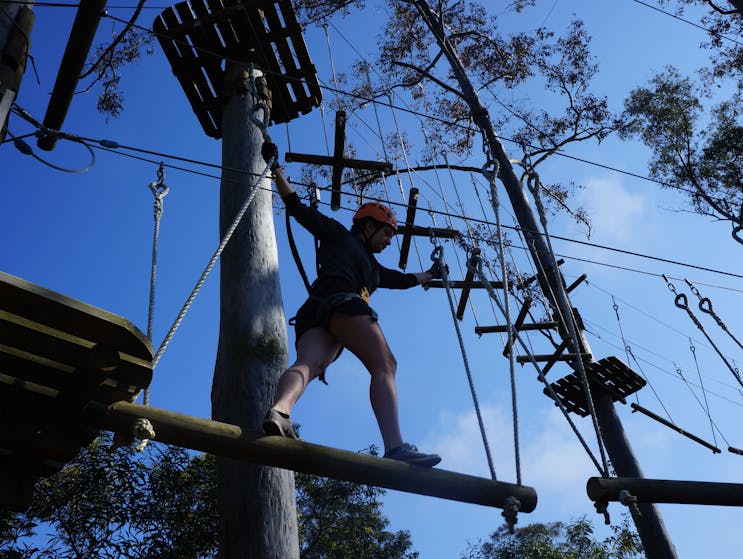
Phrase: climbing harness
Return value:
(682, 302)
(262, 124)
(437, 256)
(705, 305)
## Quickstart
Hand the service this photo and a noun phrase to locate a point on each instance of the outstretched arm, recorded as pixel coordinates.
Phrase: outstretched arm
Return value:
(282, 185)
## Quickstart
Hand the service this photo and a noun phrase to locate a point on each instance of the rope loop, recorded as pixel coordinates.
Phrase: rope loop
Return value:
(681, 301)
(602, 508)
(630, 501)
(510, 512)
(705, 305)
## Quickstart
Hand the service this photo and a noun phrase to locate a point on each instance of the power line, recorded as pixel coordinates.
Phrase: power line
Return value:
(689, 22)
(111, 146)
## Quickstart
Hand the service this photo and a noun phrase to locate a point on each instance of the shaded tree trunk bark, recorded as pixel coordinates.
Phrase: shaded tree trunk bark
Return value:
(257, 504)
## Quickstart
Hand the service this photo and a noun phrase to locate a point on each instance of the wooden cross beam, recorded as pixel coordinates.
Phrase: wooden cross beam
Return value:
(232, 441)
(339, 161)
(666, 491)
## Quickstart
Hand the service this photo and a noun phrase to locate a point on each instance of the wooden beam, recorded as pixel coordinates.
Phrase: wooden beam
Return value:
(502, 328)
(291, 157)
(659, 419)
(338, 155)
(420, 231)
(89, 14)
(232, 441)
(468, 282)
(667, 491)
(459, 284)
(408, 235)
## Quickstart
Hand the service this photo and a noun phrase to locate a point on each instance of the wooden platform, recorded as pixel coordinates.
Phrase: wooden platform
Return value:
(610, 373)
(57, 355)
(198, 36)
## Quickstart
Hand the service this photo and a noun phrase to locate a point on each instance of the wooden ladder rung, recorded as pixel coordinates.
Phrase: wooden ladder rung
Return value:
(504, 328)
(542, 358)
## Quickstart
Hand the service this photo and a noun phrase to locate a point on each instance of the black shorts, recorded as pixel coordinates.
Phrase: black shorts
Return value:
(316, 311)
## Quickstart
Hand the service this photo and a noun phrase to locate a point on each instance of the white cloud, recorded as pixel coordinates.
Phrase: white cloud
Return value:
(617, 215)
(552, 459)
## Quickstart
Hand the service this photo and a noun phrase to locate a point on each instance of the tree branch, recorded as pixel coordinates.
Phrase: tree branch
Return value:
(428, 75)
(110, 48)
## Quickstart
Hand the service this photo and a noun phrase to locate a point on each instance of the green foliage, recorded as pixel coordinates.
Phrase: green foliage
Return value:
(113, 503)
(691, 152)
(339, 519)
(556, 540)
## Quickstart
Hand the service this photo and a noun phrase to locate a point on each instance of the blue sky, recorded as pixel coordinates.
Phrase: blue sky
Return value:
(88, 235)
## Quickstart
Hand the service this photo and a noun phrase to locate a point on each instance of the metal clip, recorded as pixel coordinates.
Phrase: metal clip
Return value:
(602, 508)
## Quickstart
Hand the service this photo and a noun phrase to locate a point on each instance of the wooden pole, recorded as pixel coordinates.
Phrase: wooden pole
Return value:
(257, 504)
(667, 491)
(654, 537)
(89, 14)
(232, 441)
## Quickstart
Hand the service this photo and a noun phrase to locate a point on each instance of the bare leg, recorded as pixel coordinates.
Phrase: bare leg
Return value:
(315, 351)
(364, 338)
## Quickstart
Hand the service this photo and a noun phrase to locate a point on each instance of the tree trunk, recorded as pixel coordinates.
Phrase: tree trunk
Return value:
(257, 503)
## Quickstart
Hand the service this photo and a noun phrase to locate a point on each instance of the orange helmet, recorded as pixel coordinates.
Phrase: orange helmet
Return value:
(377, 212)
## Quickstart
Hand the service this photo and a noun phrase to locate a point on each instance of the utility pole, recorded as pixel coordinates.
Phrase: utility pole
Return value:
(16, 21)
(257, 504)
(650, 526)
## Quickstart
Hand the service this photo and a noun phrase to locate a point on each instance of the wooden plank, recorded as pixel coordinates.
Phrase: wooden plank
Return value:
(47, 307)
(49, 344)
(232, 441)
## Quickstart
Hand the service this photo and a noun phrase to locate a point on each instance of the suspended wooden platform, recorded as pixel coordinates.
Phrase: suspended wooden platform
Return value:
(56, 355)
(198, 37)
(68, 370)
(610, 374)
(666, 491)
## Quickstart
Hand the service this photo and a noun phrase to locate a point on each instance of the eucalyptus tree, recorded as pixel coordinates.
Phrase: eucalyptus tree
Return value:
(693, 125)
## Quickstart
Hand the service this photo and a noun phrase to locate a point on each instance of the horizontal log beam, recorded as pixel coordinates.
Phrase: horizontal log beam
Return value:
(459, 284)
(230, 440)
(420, 231)
(666, 491)
(524, 327)
(382, 166)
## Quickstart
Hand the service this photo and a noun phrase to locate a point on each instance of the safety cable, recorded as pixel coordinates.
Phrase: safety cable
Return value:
(112, 146)
(365, 99)
(437, 256)
(492, 174)
(22, 146)
(655, 365)
(705, 407)
(570, 321)
(682, 302)
(705, 305)
(621, 332)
